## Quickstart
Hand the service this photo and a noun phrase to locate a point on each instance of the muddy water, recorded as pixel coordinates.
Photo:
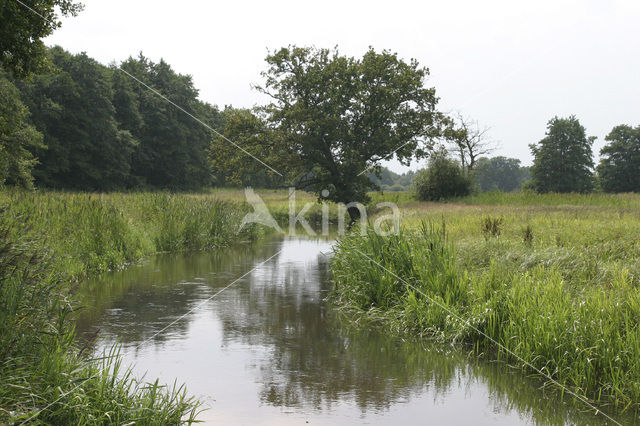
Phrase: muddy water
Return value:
(248, 331)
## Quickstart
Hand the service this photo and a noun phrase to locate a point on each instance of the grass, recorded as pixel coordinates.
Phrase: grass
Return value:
(48, 240)
(88, 233)
(553, 278)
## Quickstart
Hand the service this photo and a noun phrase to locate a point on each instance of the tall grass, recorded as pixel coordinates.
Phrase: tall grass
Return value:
(571, 313)
(44, 377)
(89, 233)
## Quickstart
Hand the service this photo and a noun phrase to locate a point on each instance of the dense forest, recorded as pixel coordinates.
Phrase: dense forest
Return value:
(93, 127)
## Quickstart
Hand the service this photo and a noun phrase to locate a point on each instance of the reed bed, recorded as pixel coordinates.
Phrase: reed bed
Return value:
(555, 283)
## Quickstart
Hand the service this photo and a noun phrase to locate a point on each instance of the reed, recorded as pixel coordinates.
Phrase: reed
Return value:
(565, 302)
(45, 377)
(88, 233)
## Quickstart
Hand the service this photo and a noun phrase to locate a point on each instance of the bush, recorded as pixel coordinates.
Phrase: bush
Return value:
(442, 179)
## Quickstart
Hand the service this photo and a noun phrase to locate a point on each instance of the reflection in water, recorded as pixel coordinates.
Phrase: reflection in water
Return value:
(268, 350)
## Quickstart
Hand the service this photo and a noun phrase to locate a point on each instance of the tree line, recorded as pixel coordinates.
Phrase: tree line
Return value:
(85, 126)
(80, 125)
(563, 162)
(563, 159)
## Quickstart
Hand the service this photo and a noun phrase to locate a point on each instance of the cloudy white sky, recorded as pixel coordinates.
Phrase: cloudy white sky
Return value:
(511, 65)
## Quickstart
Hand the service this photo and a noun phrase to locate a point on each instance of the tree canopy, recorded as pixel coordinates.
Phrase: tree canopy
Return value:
(17, 138)
(620, 160)
(563, 160)
(105, 131)
(499, 174)
(22, 28)
(333, 117)
(172, 146)
(85, 148)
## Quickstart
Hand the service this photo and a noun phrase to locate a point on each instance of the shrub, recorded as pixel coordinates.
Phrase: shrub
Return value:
(442, 179)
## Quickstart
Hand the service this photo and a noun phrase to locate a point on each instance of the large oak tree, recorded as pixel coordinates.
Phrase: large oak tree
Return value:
(334, 117)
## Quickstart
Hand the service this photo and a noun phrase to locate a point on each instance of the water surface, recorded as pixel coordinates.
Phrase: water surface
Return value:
(248, 330)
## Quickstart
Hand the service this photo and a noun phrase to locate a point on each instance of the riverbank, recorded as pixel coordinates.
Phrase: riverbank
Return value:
(552, 278)
(49, 240)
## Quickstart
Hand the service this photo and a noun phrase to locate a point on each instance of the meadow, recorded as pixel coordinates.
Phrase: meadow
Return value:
(543, 282)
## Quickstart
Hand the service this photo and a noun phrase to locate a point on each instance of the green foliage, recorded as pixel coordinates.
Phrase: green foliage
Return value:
(334, 116)
(172, 148)
(499, 174)
(618, 168)
(230, 165)
(443, 178)
(563, 161)
(85, 148)
(17, 138)
(104, 131)
(569, 312)
(22, 51)
(91, 233)
(390, 181)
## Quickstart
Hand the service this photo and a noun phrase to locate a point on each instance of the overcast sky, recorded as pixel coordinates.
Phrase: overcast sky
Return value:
(511, 65)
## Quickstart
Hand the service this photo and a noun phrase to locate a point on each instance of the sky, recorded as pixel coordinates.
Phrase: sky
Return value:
(510, 65)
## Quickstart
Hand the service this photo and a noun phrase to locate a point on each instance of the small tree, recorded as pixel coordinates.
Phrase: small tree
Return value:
(467, 140)
(563, 160)
(618, 168)
(443, 178)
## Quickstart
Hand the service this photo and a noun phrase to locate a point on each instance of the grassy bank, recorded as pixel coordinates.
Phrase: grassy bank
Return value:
(552, 278)
(88, 233)
(48, 240)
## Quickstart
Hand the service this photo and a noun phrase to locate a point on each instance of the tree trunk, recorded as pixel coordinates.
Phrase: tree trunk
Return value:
(354, 215)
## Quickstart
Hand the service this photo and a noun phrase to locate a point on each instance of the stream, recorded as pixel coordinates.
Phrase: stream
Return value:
(247, 329)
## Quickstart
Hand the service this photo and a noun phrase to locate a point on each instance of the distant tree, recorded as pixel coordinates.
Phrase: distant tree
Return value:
(563, 160)
(333, 117)
(72, 107)
(383, 177)
(443, 178)
(499, 174)
(467, 140)
(172, 149)
(620, 160)
(17, 138)
(22, 29)
(244, 129)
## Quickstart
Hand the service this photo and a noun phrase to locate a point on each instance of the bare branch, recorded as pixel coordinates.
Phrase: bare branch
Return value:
(468, 140)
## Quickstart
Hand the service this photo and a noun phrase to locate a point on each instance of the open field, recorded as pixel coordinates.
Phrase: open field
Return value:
(553, 278)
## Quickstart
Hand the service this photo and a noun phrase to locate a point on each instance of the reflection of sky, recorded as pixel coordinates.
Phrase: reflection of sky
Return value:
(294, 270)
(267, 333)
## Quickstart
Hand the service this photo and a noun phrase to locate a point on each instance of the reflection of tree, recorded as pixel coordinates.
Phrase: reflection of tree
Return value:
(135, 303)
(314, 360)
(317, 361)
